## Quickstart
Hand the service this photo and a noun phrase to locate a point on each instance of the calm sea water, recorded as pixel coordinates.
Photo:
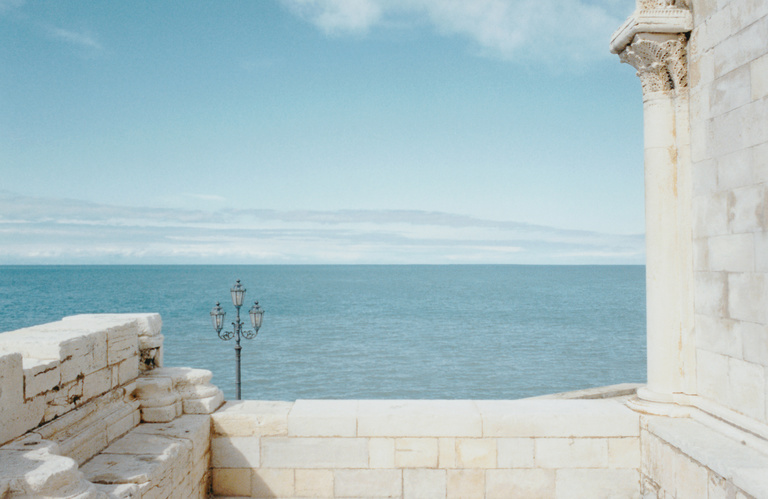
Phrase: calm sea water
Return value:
(475, 331)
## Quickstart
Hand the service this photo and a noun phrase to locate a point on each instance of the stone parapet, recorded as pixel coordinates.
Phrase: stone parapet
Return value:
(426, 448)
(73, 395)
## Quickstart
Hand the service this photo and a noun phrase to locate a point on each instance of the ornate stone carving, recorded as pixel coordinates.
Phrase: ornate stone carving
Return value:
(670, 4)
(660, 61)
(654, 40)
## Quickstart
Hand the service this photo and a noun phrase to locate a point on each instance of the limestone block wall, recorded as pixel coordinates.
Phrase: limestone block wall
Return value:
(682, 457)
(86, 410)
(426, 448)
(728, 66)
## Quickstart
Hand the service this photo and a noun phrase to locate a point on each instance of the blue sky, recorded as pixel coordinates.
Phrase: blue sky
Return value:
(318, 131)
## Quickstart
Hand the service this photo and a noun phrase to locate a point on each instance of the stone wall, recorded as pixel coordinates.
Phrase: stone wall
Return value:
(426, 448)
(87, 410)
(728, 57)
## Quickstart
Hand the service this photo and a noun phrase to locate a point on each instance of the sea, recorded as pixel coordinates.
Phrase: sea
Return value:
(370, 331)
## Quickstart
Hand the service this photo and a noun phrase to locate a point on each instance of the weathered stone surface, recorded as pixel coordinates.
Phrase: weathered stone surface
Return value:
(245, 418)
(475, 453)
(381, 452)
(424, 484)
(516, 452)
(272, 483)
(323, 418)
(465, 484)
(368, 483)
(416, 453)
(40, 376)
(591, 483)
(528, 483)
(571, 453)
(235, 452)
(557, 418)
(418, 418)
(281, 452)
(314, 483)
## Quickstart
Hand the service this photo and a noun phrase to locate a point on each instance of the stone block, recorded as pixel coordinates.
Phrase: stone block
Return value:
(475, 453)
(690, 479)
(557, 418)
(705, 178)
(759, 77)
(39, 472)
(732, 253)
(719, 335)
(424, 484)
(735, 170)
(446, 449)
(126, 468)
(323, 418)
(120, 491)
(746, 209)
(730, 91)
(235, 452)
(314, 483)
(204, 405)
(701, 254)
(710, 215)
(279, 452)
(418, 418)
(416, 453)
(128, 370)
(97, 383)
(272, 483)
(515, 452)
(760, 162)
(746, 388)
(591, 483)
(710, 294)
(701, 133)
(711, 381)
(251, 418)
(465, 484)
(747, 295)
(741, 48)
(624, 453)
(754, 340)
(40, 376)
(231, 482)
(368, 483)
(381, 453)
(82, 355)
(529, 483)
(571, 452)
(119, 424)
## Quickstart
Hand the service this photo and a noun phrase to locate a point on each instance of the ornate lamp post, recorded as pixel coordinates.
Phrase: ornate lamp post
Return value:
(217, 316)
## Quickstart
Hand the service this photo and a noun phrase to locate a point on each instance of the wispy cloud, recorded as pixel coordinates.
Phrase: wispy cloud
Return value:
(79, 39)
(549, 31)
(7, 5)
(46, 230)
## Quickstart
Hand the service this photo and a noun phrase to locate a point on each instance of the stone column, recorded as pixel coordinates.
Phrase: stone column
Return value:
(653, 40)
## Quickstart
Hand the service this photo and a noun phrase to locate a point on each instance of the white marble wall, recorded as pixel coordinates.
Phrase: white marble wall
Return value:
(728, 61)
(426, 448)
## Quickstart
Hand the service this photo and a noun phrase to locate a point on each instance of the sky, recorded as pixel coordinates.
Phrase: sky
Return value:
(318, 131)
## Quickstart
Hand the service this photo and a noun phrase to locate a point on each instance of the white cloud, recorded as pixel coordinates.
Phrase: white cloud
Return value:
(338, 16)
(548, 31)
(46, 230)
(82, 40)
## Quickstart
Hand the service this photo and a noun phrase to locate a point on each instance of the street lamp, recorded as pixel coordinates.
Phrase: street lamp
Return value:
(217, 317)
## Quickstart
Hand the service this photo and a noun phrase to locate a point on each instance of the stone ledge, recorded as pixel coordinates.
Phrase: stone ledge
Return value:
(730, 458)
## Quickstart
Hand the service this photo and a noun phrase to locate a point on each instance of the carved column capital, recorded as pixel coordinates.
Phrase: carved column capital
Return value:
(654, 40)
(660, 60)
